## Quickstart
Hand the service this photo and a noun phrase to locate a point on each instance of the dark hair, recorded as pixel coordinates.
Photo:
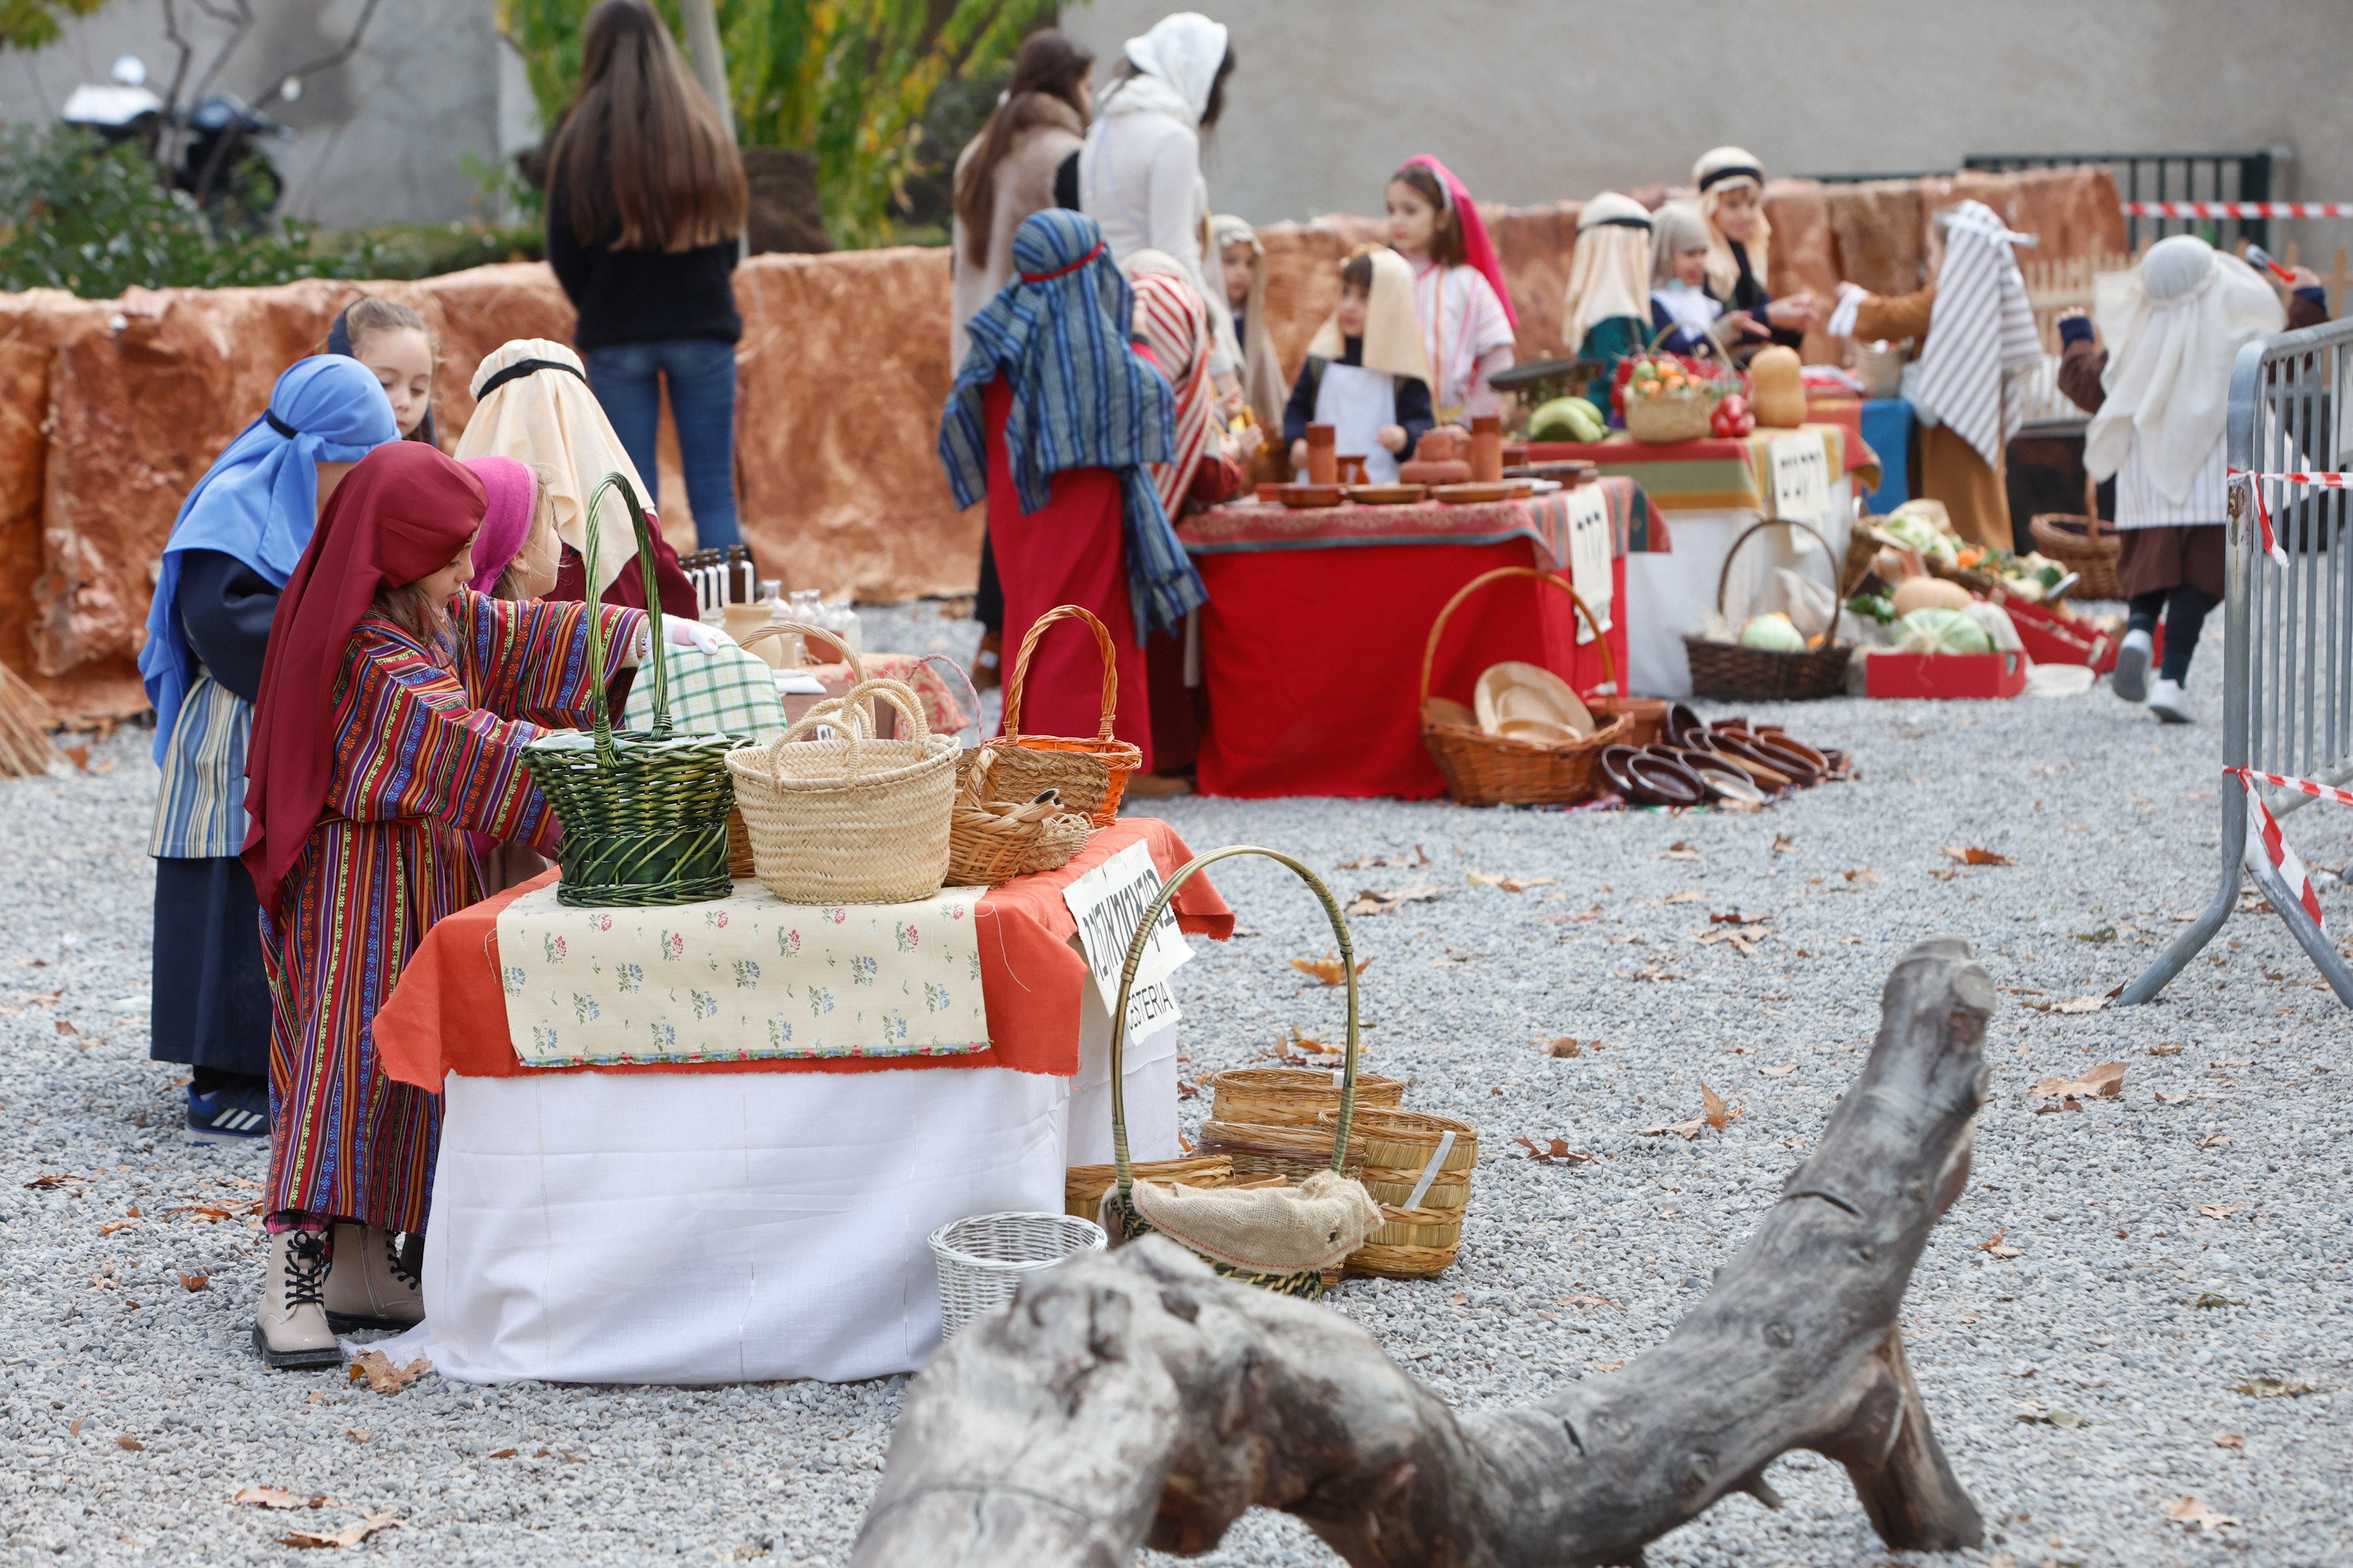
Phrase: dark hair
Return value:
(1356, 272)
(643, 150)
(1446, 245)
(1209, 111)
(1049, 65)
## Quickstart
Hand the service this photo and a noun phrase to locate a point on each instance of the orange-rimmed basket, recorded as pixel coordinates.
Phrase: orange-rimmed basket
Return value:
(1090, 772)
(1493, 769)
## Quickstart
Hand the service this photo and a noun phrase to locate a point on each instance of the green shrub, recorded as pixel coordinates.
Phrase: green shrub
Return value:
(428, 249)
(96, 220)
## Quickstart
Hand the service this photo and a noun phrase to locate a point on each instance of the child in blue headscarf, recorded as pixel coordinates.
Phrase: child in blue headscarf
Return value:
(238, 534)
(1052, 419)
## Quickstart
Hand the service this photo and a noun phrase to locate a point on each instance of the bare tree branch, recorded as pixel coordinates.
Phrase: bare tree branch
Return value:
(1136, 1399)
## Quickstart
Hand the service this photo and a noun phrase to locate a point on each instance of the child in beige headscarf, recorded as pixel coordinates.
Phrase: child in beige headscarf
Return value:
(1243, 264)
(1739, 253)
(1367, 373)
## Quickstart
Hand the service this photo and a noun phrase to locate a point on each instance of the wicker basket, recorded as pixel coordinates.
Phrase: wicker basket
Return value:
(1119, 1208)
(2085, 546)
(1489, 769)
(1728, 672)
(853, 821)
(982, 1259)
(1091, 772)
(644, 815)
(1264, 1149)
(1083, 1186)
(1293, 1097)
(990, 842)
(1413, 1244)
(1406, 1139)
(1684, 413)
(1448, 1190)
(739, 838)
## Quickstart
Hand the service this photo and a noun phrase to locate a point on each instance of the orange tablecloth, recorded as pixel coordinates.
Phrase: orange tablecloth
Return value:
(448, 1014)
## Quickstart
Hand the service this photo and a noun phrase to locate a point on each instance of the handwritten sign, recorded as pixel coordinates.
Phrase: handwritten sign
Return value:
(1589, 554)
(1801, 482)
(1108, 903)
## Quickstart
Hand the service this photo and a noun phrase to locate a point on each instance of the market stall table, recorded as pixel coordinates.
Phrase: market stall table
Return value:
(1885, 425)
(1710, 492)
(1311, 645)
(725, 1221)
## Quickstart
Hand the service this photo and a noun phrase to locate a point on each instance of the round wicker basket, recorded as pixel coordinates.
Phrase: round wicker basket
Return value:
(1291, 1097)
(984, 1259)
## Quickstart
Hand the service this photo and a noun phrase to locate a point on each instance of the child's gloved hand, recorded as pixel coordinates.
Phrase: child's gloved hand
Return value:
(1393, 437)
(682, 633)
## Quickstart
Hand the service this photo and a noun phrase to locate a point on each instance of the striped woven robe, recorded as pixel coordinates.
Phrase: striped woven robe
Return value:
(422, 750)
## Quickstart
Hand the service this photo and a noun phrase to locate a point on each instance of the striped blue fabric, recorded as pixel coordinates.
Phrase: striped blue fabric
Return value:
(200, 810)
(1081, 399)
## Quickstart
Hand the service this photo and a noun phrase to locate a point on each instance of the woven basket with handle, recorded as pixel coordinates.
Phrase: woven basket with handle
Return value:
(992, 841)
(644, 815)
(854, 820)
(1731, 673)
(2085, 546)
(739, 838)
(1496, 769)
(1120, 1213)
(1683, 413)
(1089, 772)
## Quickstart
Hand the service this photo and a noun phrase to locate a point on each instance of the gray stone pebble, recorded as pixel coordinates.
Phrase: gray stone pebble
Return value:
(1566, 1269)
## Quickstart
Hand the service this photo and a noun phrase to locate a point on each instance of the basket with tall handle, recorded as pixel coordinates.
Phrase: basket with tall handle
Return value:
(739, 838)
(1119, 1211)
(1494, 770)
(644, 815)
(1730, 672)
(1089, 771)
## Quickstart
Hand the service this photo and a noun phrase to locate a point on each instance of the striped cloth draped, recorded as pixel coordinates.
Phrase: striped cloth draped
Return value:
(422, 751)
(1176, 327)
(1980, 330)
(1081, 399)
(200, 810)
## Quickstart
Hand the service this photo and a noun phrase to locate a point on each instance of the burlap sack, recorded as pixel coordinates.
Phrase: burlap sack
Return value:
(1270, 1230)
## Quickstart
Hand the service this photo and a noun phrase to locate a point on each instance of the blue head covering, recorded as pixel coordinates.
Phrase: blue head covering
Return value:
(1081, 399)
(259, 501)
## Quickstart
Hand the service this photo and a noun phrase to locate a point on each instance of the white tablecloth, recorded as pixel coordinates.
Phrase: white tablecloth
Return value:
(722, 1227)
(1672, 594)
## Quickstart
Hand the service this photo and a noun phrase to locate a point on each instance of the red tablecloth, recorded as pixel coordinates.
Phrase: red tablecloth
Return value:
(1311, 649)
(448, 1014)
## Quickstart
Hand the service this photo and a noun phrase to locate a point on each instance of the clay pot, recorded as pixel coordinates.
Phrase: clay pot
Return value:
(1486, 448)
(1352, 470)
(1438, 459)
(1323, 462)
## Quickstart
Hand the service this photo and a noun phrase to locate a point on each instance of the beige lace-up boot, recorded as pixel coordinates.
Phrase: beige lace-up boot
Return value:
(374, 1283)
(290, 1328)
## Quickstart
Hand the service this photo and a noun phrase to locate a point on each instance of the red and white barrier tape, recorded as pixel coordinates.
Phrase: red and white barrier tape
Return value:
(2237, 210)
(2265, 840)
(2255, 483)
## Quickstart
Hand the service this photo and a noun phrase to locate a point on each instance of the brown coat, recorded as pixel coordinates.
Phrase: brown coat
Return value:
(1025, 185)
(1950, 469)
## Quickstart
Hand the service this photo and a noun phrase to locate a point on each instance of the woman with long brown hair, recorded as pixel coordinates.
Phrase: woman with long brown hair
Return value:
(645, 210)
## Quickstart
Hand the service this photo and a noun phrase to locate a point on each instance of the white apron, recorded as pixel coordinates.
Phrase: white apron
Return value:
(1356, 403)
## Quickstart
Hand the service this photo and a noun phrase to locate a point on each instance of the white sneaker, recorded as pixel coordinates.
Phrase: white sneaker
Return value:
(2130, 680)
(2169, 702)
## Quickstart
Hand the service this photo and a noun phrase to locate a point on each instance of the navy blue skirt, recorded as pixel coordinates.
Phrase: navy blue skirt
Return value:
(211, 1002)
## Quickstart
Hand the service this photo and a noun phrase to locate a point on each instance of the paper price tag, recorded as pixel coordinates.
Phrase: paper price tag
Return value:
(1107, 903)
(1589, 554)
(1801, 482)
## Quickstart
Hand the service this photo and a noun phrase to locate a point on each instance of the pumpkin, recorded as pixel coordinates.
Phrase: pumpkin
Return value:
(1929, 594)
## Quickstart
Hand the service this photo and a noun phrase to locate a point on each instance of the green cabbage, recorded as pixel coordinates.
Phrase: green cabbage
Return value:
(1941, 631)
(1775, 632)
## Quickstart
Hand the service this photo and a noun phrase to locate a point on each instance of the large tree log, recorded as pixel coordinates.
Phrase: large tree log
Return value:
(1136, 1398)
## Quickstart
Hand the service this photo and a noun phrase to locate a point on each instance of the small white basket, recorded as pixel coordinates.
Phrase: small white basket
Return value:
(982, 1259)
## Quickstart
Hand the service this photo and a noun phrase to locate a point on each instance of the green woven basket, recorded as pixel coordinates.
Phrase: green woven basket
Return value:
(644, 815)
(1119, 1207)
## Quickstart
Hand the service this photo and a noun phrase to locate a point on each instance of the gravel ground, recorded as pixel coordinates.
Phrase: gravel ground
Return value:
(132, 1409)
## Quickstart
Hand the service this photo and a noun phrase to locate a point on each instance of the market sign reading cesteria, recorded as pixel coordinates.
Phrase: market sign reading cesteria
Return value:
(1108, 902)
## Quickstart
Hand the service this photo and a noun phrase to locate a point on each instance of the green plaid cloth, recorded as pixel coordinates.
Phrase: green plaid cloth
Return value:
(730, 690)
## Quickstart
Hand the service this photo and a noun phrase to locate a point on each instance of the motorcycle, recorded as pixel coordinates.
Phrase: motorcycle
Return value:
(220, 163)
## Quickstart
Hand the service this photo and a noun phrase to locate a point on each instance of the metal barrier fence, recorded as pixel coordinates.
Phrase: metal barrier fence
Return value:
(2170, 176)
(2287, 700)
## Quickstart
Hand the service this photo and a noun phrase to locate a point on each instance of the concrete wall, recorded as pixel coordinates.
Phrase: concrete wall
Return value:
(1531, 100)
(382, 136)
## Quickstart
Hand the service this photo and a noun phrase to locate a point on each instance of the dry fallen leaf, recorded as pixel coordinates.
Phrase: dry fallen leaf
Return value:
(2102, 1082)
(2166, 1049)
(2165, 1098)
(1563, 1046)
(2189, 1511)
(1783, 843)
(382, 1376)
(357, 1434)
(1863, 876)
(2212, 1141)
(1606, 1366)
(1684, 1129)
(369, 1524)
(1372, 901)
(503, 1454)
(1553, 1148)
(1779, 1072)
(1374, 862)
(1713, 1109)
(1994, 1244)
(1688, 896)
(1510, 884)
(1973, 856)
(275, 1496)
(1680, 849)
(1654, 971)
(2219, 1211)
(126, 1442)
(55, 1179)
(2231, 1440)
(1327, 969)
(2271, 1388)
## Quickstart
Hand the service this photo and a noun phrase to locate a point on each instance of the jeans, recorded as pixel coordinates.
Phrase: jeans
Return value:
(627, 379)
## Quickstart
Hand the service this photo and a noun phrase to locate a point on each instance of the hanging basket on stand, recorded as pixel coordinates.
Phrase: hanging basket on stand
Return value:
(1279, 1238)
(1498, 770)
(644, 814)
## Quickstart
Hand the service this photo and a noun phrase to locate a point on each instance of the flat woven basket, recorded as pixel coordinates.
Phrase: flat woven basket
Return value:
(1411, 1244)
(1406, 1139)
(992, 841)
(1090, 772)
(1083, 1186)
(739, 838)
(984, 1259)
(1291, 1097)
(852, 821)
(1682, 414)
(1119, 1210)
(644, 815)
(2085, 546)
(1730, 673)
(1491, 770)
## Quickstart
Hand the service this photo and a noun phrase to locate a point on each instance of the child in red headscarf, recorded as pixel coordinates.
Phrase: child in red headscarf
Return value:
(395, 702)
(1468, 324)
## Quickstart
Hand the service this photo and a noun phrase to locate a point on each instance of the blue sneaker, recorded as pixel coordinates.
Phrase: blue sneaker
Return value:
(229, 1115)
